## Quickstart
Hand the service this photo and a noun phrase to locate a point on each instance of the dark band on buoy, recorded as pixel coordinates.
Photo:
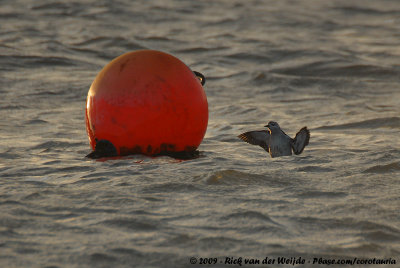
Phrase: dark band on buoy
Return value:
(201, 77)
(104, 148)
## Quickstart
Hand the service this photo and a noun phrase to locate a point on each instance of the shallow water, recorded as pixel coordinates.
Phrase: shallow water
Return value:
(330, 65)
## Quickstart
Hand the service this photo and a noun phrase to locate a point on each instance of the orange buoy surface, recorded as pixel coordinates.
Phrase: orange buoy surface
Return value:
(147, 102)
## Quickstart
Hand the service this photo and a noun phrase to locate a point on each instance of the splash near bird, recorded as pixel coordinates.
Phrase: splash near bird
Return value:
(275, 141)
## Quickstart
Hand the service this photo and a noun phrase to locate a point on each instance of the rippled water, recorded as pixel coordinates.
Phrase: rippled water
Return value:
(330, 65)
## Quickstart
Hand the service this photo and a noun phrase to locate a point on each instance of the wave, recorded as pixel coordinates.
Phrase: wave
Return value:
(250, 57)
(128, 251)
(174, 187)
(38, 61)
(249, 214)
(102, 258)
(315, 169)
(392, 167)
(322, 194)
(335, 68)
(56, 145)
(107, 42)
(201, 49)
(233, 177)
(385, 122)
(365, 227)
(354, 10)
(132, 224)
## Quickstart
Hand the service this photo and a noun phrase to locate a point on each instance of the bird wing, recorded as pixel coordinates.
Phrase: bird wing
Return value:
(260, 137)
(301, 140)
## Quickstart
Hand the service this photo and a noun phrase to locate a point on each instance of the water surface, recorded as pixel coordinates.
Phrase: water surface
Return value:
(332, 66)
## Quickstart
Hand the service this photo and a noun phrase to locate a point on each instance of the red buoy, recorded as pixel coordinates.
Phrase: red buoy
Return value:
(146, 102)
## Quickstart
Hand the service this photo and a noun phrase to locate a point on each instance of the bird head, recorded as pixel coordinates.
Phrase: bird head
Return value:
(273, 126)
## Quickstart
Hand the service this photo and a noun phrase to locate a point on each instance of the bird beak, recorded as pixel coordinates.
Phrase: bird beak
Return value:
(267, 126)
